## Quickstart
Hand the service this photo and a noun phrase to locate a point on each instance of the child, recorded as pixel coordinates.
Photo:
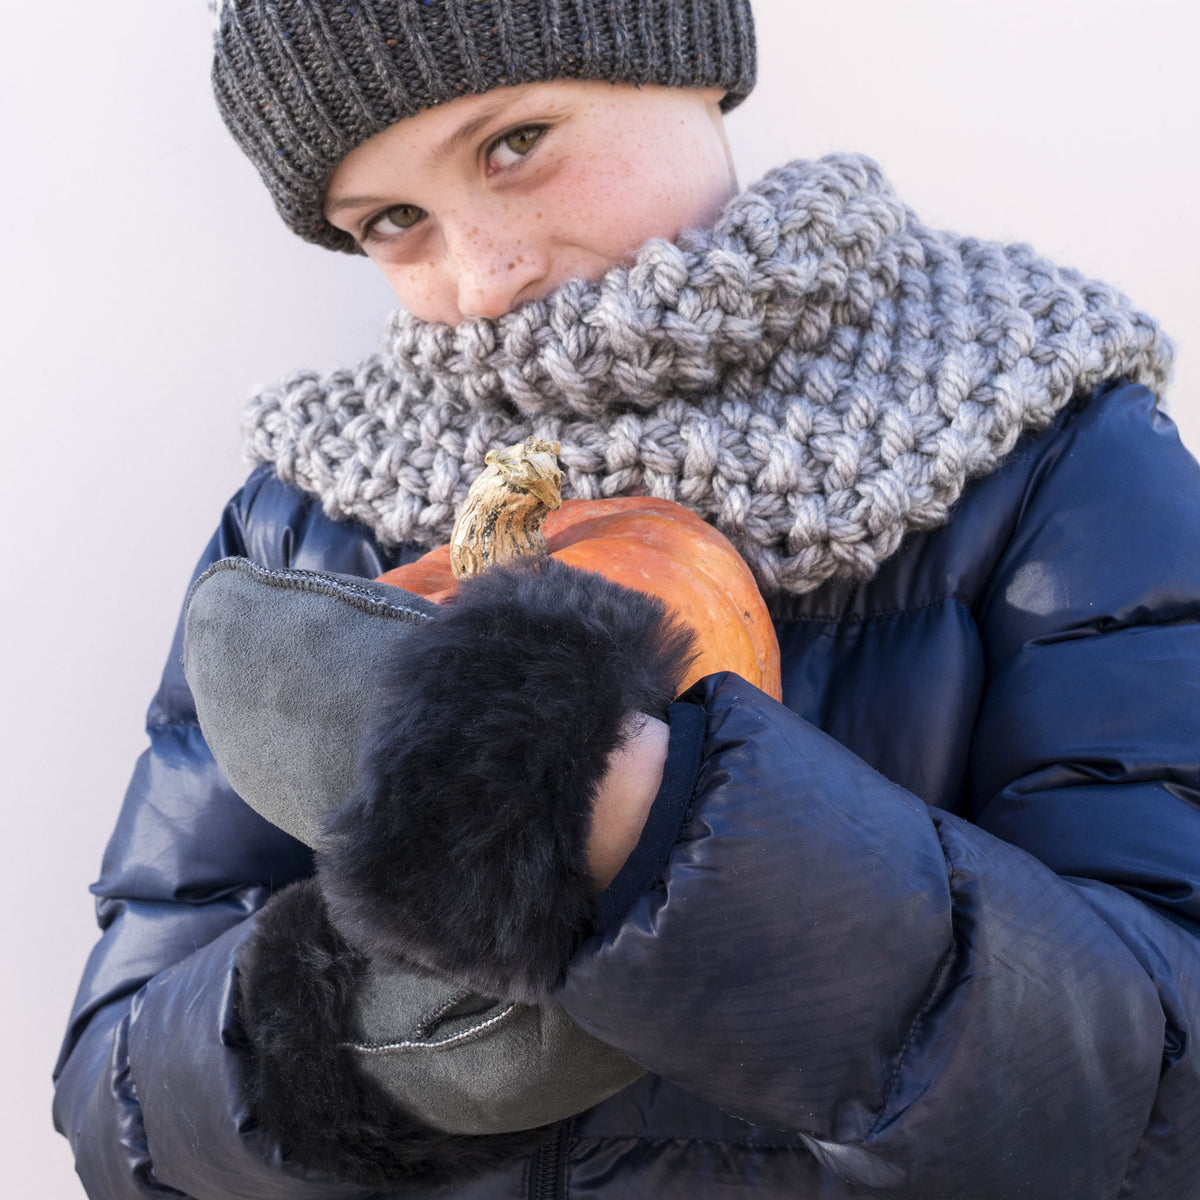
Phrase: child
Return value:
(927, 929)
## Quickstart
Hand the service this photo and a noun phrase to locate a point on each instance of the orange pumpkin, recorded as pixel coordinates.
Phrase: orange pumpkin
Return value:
(653, 546)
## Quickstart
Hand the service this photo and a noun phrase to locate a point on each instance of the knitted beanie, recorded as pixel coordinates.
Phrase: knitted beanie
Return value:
(301, 83)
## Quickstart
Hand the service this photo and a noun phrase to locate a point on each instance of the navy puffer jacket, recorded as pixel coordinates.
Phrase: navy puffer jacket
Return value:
(930, 931)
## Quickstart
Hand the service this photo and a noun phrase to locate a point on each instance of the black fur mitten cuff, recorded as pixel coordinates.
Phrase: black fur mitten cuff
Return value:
(297, 983)
(463, 845)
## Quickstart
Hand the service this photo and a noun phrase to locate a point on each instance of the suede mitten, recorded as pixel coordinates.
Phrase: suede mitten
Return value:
(315, 1014)
(371, 1068)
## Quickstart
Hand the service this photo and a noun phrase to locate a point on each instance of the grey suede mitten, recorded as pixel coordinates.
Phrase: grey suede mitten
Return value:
(374, 1070)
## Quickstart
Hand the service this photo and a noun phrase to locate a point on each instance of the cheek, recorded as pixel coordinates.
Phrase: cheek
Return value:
(420, 291)
(658, 189)
(603, 209)
(618, 214)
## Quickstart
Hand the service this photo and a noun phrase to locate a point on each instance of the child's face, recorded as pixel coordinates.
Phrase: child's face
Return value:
(476, 206)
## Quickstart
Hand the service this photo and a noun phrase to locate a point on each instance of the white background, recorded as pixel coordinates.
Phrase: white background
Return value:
(148, 286)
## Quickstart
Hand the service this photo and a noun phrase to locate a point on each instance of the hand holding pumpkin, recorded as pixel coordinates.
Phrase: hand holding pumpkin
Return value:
(511, 765)
(464, 846)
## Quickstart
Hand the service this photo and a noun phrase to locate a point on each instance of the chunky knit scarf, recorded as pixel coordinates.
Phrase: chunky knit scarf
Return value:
(816, 375)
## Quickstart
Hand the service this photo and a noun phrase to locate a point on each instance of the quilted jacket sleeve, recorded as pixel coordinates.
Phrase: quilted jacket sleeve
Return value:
(943, 1007)
(150, 1083)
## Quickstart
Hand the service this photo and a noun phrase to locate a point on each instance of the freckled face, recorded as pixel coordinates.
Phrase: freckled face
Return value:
(476, 206)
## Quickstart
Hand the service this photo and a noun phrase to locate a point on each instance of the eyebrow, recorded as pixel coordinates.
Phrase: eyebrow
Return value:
(468, 129)
(439, 154)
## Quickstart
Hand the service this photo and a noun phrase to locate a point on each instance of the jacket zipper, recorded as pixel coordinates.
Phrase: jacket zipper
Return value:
(548, 1170)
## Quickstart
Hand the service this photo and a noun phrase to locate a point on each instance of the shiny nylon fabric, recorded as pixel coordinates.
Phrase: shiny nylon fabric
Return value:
(991, 993)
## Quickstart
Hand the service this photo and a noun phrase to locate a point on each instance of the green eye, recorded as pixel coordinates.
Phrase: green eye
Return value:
(403, 216)
(521, 141)
(391, 222)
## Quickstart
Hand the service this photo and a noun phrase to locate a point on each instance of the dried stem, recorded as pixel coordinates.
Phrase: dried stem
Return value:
(503, 512)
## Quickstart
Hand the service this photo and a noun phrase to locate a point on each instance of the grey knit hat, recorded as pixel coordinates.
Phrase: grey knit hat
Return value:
(301, 83)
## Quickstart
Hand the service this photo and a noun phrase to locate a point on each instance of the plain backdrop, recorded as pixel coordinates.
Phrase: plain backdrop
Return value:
(148, 286)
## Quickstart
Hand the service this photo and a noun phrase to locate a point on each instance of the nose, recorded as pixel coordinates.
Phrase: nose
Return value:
(496, 266)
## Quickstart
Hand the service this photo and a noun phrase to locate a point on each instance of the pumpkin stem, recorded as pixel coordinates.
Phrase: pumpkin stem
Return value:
(502, 515)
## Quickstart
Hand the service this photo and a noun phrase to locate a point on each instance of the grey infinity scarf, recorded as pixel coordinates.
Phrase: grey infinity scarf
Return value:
(817, 375)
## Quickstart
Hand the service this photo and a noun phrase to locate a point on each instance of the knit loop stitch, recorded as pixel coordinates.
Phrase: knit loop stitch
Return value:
(817, 375)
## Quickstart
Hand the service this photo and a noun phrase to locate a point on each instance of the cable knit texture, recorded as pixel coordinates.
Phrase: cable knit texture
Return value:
(816, 375)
